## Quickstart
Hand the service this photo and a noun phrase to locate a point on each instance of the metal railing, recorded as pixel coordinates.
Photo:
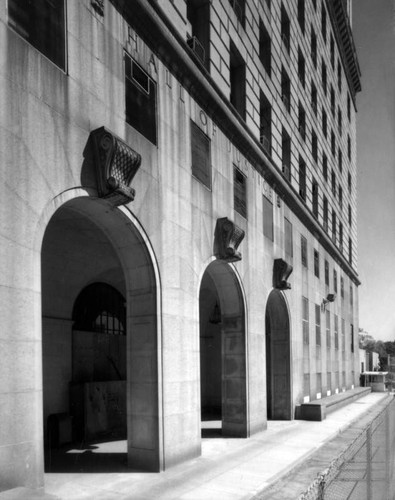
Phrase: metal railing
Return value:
(366, 470)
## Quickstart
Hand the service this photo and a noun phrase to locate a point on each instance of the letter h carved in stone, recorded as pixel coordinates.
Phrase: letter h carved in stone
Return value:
(227, 238)
(116, 164)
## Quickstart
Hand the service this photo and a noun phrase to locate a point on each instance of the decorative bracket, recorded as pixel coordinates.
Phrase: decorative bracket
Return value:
(281, 272)
(116, 164)
(227, 238)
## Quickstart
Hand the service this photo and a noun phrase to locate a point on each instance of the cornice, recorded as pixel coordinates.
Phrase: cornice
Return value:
(153, 26)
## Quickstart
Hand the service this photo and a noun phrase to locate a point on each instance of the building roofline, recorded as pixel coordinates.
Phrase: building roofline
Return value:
(171, 48)
(345, 41)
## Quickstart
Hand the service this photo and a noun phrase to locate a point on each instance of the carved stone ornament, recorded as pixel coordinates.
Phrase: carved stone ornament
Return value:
(116, 164)
(227, 238)
(98, 5)
(281, 272)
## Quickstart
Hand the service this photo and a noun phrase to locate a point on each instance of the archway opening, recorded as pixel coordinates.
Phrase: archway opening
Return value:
(222, 353)
(99, 317)
(278, 358)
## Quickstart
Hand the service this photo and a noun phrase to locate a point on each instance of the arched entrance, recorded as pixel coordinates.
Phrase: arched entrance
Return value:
(223, 350)
(278, 358)
(100, 339)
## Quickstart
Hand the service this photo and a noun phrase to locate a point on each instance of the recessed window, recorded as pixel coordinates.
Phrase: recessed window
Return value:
(323, 76)
(140, 99)
(302, 178)
(332, 51)
(349, 147)
(301, 68)
(265, 132)
(201, 155)
(333, 105)
(302, 121)
(348, 107)
(314, 146)
(328, 329)
(339, 121)
(352, 337)
(333, 143)
(240, 192)
(326, 273)
(303, 248)
(288, 239)
(339, 76)
(301, 15)
(265, 48)
(341, 236)
(42, 24)
(315, 198)
(340, 193)
(350, 251)
(286, 154)
(316, 264)
(285, 29)
(335, 280)
(324, 123)
(313, 44)
(349, 182)
(334, 225)
(325, 214)
(323, 22)
(317, 325)
(336, 332)
(342, 287)
(237, 71)
(198, 16)
(285, 89)
(349, 214)
(239, 9)
(333, 184)
(268, 218)
(340, 160)
(314, 106)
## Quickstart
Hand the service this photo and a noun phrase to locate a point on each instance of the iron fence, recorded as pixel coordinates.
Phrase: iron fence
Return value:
(366, 470)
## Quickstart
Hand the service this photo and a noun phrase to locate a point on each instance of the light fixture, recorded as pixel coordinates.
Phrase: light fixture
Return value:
(329, 298)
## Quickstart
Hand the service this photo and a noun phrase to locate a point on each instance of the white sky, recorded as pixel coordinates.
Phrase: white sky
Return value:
(374, 36)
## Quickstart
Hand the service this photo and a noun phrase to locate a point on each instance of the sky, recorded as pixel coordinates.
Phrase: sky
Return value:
(373, 24)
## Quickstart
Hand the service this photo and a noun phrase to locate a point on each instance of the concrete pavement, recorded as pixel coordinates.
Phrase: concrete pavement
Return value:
(232, 469)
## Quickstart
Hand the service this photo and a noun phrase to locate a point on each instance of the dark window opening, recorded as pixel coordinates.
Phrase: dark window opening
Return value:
(328, 331)
(323, 76)
(333, 105)
(332, 51)
(198, 15)
(285, 89)
(314, 105)
(305, 320)
(317, 328)
(265, 131)
(335, 280)
(302, 179)
(100, 308)
(349, 148)
(285, 29)
(302, 121)
(325, 166)
(323, 22)
(313, 44)
(265, 48)
(340, 160)
(239, 9)
(237, 81)
(314, 146)
(140, 100)
(326, 273)
(315, 198)
(339, 121)
(42, 24)
(303, 247)
(301, 68)
(325, 214)
(333, 143)
(301, 15)
(324, 124)
(286, 154)
(240, 192)
(334, 225)
(339, 76)
(200, 155)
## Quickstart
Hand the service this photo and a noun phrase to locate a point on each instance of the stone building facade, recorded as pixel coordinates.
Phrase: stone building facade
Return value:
(178, 221)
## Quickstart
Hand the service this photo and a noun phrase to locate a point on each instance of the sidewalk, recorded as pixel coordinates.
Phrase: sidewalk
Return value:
(232, 469)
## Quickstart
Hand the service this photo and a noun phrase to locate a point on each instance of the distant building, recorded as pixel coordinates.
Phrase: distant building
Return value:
(178, 221)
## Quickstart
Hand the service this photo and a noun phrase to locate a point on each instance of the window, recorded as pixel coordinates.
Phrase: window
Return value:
(315, 197)
(349, 214)
(339, 121)
(317, 324)
(333, 184)
(301, 68)
(349, 147)
(268, 218)
(305, 320)
(314, 146)
(237, 73)
(288, 238)
(325, 213)
(332, 51)
(352, 337)
(302, 121)
(328, 329)
(316, 264)
(340, 160)
(326, 273)
(140, 99)
(314, 106)
(325, 166)
(323, 22)
(240, 192)
(100, 308)
(285, 89)
(265, 124)
(239, 9)
(199, 19)
(334, 224)
(349, 251)
(335, 280)
(285, 29)
(303, 247)
(42, 24)
(313, 44)
(340, 198)
(324, 123)
(342, 287)
(351, 296)
(286, 152)
(341, 236)
(333, 143)
(265, 48)
(302, 178)
(349, 182)
(301, 15)
(333, 105)
(339, 76)
(323, 76)
(201, 155)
